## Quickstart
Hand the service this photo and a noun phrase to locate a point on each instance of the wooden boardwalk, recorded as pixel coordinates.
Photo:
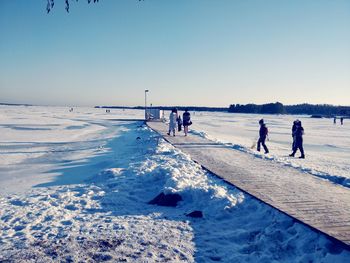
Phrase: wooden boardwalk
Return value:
(317, 203)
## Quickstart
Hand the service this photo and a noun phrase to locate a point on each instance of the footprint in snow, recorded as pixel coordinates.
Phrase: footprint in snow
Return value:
(48, 218)
(18, 203)
(19, 228)
(66, 222)
(102, 257)
(6, 218)
(71, 207)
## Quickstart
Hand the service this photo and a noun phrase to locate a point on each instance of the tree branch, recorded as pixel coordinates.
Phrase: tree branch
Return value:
(51, 3)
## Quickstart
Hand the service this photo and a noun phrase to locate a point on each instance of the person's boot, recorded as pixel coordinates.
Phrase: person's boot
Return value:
(291, 155)
(266, 149)
(302, 156)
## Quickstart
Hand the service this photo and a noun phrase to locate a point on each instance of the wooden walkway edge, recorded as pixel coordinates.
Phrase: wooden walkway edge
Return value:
(318, 203)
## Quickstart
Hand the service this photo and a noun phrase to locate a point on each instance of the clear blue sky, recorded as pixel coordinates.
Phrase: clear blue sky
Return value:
(186, 52)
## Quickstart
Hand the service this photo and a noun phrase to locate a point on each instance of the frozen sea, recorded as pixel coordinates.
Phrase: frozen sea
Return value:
(74, 187)
(326, 145)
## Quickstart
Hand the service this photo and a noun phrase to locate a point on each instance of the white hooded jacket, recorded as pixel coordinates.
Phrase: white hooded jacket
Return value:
(172, 120)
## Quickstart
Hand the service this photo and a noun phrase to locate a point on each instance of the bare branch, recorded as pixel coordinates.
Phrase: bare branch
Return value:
(51, 3)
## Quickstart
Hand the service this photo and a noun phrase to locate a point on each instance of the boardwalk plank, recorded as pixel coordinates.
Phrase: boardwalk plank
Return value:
(315, 202)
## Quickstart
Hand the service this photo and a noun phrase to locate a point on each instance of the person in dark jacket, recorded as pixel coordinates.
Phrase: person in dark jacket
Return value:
(294, 128)
(299, 132)
(186, 121)
(263, 132)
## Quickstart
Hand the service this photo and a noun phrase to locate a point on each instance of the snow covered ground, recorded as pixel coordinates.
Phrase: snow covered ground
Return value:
(75, 187)
(327, 146)
(37, 140)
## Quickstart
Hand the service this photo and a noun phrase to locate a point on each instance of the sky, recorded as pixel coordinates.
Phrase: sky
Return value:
(185, 52)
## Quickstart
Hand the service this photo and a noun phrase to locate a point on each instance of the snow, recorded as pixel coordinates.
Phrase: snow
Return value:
(81, 195)
(327, 146)
(34, 140)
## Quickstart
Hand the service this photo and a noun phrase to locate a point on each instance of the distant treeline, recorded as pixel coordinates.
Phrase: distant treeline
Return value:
(279, 108)
(14, 104)
(180, 108)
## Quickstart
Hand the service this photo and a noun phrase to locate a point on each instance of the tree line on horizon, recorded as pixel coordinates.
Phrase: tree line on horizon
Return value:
(324, 110)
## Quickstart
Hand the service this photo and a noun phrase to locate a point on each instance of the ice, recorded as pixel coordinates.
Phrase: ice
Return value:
(40, 140)
(81, 193)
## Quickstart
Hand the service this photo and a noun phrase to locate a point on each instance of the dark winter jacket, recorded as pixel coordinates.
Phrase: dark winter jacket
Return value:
(263, 130)
(299, 132)
(186, 118)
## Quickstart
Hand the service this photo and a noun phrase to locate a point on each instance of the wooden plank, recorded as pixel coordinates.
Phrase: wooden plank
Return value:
(320, 204)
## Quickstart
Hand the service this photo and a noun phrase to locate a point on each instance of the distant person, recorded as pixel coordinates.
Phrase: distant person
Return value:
(341, 120)
(294, 128)
(179, 123)
(335, 120)
(172, 121)
(263, 133)
(186, 120)
(299, 132)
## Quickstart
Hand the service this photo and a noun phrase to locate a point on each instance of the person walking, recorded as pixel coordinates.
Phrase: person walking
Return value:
(172, 121)
(263, 133)
(299, 132)
(179, 123)
(186, 120)
(341, 120)
(294, 128)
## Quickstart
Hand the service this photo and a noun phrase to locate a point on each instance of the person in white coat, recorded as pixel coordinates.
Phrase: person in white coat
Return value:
(172, 121)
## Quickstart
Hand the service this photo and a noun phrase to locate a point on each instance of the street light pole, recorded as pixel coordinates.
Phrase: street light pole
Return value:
(146, 104)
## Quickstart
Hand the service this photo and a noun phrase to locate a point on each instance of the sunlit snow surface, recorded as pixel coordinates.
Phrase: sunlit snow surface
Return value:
(75, 187)
(327, 146)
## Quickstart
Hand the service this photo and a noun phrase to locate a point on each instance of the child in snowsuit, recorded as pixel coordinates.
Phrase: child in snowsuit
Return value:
(299, 132)
(179, 123)
(263, 132)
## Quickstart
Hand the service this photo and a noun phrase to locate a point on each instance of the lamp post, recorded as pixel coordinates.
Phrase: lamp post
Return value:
(146, 104)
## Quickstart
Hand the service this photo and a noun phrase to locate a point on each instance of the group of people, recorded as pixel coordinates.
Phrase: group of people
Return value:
(341, 120)
(175, 120)
(297, 135)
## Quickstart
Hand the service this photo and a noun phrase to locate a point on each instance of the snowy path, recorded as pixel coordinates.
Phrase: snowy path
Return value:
(315, 202)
